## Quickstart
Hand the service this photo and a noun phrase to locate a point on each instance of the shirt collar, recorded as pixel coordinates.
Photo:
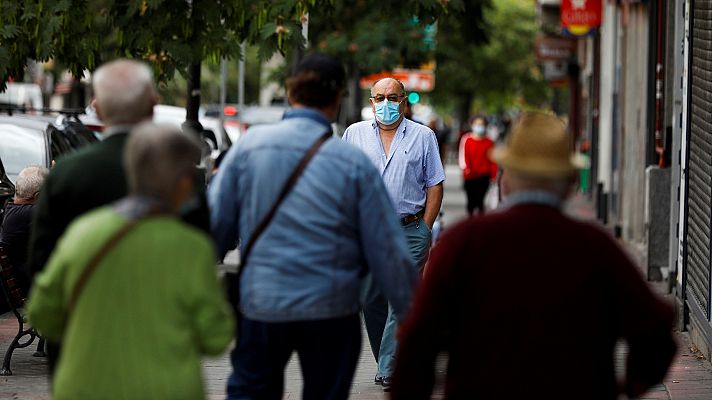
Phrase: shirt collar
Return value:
(114, 129)
(308, 113)
(539, 197)
(400, 129)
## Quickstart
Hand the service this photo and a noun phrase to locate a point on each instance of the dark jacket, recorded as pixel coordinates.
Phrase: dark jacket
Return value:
(14, 238)
(534, 302)
(90, 178)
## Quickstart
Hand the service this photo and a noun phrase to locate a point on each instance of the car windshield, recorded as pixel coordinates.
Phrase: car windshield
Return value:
(20, 147)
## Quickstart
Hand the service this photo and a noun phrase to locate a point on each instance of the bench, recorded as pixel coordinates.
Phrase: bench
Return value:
(15, 299)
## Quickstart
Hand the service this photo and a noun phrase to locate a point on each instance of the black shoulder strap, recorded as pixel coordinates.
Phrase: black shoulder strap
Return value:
(291, 181)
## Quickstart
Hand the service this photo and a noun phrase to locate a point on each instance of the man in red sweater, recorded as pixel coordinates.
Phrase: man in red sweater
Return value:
(529, 302)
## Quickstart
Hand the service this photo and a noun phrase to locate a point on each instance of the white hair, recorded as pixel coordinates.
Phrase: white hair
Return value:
(29, 181)
(157, 157)
(124, 92)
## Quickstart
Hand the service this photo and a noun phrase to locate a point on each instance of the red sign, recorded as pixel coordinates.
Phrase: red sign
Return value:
(581, 17)
(413, 79)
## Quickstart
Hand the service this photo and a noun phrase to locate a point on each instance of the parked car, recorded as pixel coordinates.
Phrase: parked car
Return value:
(38, 140)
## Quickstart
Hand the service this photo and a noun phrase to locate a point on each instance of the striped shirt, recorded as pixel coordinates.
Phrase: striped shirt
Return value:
(412, 166)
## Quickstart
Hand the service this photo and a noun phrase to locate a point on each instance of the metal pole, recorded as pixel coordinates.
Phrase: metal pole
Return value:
(223, 84)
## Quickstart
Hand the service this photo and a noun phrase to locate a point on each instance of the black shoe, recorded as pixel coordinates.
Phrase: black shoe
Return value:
(378, 380)
(386, 383)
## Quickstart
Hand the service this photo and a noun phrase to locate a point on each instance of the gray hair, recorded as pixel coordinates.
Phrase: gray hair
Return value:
(124, 92)
(29, 181)
(157, 157)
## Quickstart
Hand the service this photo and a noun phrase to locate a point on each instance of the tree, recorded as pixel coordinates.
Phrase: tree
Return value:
(495, 75)
(372, 36)
(176, 35)
(173, 35)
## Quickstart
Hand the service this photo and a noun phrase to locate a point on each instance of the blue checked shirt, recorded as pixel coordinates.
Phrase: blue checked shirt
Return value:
(307, 264)
(412, 166)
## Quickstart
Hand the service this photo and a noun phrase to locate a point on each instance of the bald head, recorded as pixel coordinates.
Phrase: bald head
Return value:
(390, 85)
(124, 92)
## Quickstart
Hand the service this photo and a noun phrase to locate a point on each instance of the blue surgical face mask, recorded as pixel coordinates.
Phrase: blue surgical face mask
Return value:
(478, 130)
(387, 112)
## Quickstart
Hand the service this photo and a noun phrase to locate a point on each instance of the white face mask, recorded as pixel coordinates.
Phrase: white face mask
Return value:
(478, 130)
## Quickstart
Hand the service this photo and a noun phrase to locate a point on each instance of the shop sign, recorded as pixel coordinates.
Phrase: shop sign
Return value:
(554, 48)
(581, 17)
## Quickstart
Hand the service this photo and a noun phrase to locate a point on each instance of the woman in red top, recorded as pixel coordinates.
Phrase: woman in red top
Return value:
(477, 169)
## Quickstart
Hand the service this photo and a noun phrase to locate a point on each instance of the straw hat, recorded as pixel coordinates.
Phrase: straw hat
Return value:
(539, 146)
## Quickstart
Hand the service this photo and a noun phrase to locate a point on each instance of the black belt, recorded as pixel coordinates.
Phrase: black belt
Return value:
(409, 219)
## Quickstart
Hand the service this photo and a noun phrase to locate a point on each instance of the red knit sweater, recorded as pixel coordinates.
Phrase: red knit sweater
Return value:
(533, 303)
(474, 157)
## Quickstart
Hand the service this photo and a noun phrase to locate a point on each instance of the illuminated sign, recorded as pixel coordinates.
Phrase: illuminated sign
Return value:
(581, 17)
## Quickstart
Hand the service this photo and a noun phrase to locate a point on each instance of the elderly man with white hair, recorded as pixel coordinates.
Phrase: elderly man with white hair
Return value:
(124, 95)
(15, 230)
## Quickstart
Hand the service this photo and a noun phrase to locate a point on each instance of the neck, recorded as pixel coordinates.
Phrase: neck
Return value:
(19, 201)
(389, 128)
(328, 112)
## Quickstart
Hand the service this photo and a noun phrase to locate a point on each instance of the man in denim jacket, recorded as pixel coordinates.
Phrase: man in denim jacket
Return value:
(300, 291)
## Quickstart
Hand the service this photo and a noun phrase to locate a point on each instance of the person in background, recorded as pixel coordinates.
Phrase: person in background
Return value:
(478, 171)
(15, 229)
(406, 155)
(519, 293)
(137, 324)
(299, 291)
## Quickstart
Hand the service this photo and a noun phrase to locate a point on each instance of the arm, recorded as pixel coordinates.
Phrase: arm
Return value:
(462, 160)
(222, 202)
(434, 176)
(432, 314)
(213, 319)
(46, 305)
(433, 201)
(644, 321)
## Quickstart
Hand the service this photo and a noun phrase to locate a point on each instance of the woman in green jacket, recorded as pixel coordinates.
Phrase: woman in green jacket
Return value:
(135, 322)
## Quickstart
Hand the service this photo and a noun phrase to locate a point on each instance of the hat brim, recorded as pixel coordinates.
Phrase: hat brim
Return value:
(538, 166)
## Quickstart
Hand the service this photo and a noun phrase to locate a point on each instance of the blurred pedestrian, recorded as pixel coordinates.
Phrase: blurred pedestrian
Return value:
(299, 285)
(531, 295)
(15, 229)
(407, 158)
(131, 291)
(478, 171)
(124, 95)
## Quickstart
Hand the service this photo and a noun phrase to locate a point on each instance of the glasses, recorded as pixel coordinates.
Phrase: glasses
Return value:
(391, 97)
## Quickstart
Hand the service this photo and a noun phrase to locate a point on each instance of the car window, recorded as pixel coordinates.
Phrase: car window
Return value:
(20, 147)
(60, 144)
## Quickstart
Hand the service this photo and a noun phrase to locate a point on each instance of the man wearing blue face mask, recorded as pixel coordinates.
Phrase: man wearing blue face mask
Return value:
(407, 156)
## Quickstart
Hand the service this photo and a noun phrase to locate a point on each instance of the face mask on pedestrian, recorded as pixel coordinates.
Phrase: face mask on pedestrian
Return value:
(387, 112)
(478, 130)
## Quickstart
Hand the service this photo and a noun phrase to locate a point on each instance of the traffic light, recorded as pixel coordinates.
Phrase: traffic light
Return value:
(413, 97)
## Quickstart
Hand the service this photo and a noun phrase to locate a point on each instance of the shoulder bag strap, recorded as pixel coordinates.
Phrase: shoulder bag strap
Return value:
(291, 181)
(94, 262)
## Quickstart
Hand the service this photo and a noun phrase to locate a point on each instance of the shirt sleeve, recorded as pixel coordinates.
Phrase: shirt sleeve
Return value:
(47, 302)
(644, 320)
(224, 207)
(433, 166)
(213, 319)
(383, 241)
(461, 157)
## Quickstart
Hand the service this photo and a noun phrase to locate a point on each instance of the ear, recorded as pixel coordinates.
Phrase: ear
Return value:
(97, 109)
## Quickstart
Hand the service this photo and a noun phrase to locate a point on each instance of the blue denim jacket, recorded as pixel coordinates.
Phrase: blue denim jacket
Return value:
(308, 263)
